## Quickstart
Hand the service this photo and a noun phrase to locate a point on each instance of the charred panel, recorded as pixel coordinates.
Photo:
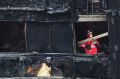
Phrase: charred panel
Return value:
(38, 37)
(114, 36)
(90, 67)
(115, 66)
(61, 37)
(50, 37)
(8, 68)
(114, 32)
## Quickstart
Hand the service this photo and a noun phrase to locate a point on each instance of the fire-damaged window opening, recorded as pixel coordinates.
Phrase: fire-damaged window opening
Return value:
(100, 35)
(47, 37)
(12, 37)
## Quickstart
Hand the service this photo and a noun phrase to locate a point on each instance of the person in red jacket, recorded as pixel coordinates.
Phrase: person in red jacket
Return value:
(90, 46)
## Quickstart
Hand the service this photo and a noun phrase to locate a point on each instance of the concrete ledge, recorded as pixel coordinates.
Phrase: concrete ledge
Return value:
(91, 18)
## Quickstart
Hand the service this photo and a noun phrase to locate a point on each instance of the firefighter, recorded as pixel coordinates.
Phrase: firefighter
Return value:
(90, 46)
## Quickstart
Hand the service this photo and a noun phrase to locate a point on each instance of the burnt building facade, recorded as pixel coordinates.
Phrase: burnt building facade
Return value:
(35, 31)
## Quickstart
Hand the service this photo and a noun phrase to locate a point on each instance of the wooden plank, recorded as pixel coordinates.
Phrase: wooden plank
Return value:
(95, 37)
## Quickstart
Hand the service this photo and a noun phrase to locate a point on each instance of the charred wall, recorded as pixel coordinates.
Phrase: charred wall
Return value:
(36, 10)
(114, 31)
(18, 66)
(67, 65)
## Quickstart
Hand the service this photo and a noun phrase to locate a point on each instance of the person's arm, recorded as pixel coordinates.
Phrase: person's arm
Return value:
(82, 45)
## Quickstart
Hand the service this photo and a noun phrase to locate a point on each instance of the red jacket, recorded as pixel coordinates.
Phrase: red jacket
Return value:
(93, 49)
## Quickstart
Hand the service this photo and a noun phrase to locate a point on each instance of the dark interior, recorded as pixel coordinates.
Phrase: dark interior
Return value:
(36, 36)
(12, 37)
(49, 37)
